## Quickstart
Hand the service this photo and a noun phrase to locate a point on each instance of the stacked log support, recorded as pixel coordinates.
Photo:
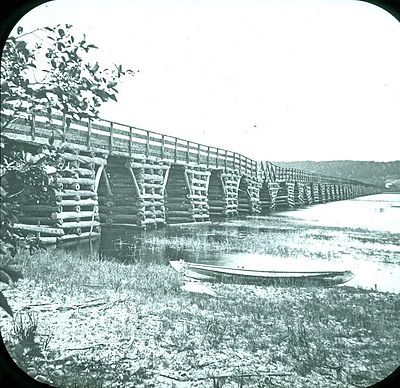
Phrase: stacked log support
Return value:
(308, 194)
(230, 180)
(132, 193)
(336, 192)
(273, 188)
(253, 187)
(351, 188)
(315, 193)
(291, 194)
(299, 194)
(344, 192)
(248, 196)
(333, 192)
(321, 192)
(72, 208)
(348, 192)
(198, 178)
(151, 178)
(282, 198)
(328, 195)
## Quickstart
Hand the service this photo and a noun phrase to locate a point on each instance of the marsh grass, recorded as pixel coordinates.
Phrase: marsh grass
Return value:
(302, 331)
(56, 271)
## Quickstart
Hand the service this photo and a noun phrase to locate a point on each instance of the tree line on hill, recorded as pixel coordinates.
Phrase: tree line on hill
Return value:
(377, 173)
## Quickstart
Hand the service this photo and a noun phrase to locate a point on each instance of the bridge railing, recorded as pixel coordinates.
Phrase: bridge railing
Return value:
(128, 141)
(279, 173)
(124, 140)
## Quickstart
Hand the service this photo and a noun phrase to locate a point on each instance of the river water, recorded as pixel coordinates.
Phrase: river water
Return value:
(361, 235)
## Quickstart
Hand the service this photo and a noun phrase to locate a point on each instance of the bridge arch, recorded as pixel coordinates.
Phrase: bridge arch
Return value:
(244, 198)
(282, 197)
(216, 194)
(265, 198)
(177, 196)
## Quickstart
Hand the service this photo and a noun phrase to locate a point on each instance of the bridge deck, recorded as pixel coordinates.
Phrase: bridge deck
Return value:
(127, 141)
(117, 139)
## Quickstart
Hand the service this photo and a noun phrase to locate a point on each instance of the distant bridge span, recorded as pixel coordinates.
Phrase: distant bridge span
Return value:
(123, 175)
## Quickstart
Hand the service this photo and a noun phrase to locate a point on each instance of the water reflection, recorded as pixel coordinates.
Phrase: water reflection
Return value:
(346, 235)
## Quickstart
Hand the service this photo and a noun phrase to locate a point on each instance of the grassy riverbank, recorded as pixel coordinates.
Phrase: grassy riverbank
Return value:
(81, 321)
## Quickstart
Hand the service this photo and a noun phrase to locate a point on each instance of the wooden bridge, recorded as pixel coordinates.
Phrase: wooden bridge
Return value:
(116, 174)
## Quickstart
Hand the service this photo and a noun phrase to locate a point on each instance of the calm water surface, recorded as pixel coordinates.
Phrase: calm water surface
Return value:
(361, 235)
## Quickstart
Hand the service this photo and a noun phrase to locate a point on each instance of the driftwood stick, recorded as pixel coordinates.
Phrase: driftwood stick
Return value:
(91, 303)
(224, 376)
(87, 347)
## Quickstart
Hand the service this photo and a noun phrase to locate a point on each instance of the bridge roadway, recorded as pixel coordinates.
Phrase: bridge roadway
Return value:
(116, 174)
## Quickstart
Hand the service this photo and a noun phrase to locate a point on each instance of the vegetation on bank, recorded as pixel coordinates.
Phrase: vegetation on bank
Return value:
(82, 321)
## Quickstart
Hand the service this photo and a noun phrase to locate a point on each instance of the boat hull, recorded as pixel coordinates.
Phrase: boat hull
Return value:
(278, 278)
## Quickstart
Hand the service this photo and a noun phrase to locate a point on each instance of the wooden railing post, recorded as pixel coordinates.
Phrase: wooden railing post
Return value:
(162, 146)
(226, 158)
(147, 144)
(130, 141)
(208, 156)
(89, 134)
(240, 162)
(216, 162)
(187, 151)
(198, 153)
(175, 149)
(33, 126)
(111, 137)
(234, 160)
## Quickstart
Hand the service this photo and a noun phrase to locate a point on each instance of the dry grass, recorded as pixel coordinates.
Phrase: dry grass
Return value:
(131, 324)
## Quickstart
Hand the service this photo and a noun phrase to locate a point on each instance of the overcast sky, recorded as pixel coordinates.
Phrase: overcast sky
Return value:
(274, 80)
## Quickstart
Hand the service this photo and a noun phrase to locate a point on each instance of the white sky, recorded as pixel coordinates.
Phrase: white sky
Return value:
(274, 80)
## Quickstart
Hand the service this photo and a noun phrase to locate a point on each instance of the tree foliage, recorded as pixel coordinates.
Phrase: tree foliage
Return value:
(48, 71)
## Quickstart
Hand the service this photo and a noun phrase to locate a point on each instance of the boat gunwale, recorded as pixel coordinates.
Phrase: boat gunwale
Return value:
(259, 273)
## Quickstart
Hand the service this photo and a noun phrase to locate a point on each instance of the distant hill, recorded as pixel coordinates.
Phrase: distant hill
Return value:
(378, 173)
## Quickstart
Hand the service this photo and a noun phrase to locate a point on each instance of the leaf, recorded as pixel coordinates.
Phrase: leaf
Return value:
(61, 32)
(49, 29)
(94, 68)
(4, 304)
(20, 45)
(111, 84)
(4, 86)
(20, 30)
(91, 46)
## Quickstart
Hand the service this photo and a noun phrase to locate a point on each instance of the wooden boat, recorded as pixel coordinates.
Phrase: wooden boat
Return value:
(214, 273)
